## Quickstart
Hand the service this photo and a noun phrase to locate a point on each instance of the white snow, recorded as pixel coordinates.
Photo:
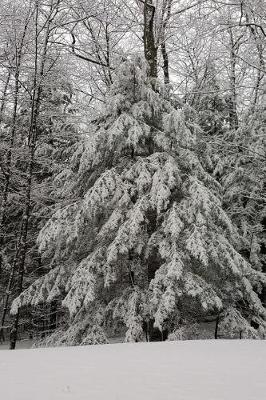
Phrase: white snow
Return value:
(192, 370)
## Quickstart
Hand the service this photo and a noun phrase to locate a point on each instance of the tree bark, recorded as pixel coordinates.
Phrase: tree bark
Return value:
(233, 117)
(150, 48)
(166, 14)
(3, 102)
(217, 327)
(165, 64)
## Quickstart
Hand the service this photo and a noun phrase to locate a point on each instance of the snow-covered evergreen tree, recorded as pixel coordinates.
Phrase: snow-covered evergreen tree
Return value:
(210, 104)
(144, 236)
(241, 167)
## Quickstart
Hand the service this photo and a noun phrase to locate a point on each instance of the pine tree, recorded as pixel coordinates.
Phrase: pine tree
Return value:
(242, 171)
(210, 104)
(238, 162)
(144, 237)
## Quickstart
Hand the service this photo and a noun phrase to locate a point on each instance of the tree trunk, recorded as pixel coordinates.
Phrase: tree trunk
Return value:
(32, 140)
(3, 200)
(216, 327)
(233, 117)
(150, 48)
(6, 301)
(8, 162)
(166, 15)
(22, 251)
(165, 64)
(3, 102)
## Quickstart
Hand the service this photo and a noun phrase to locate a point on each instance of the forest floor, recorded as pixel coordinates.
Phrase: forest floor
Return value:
(184, 370)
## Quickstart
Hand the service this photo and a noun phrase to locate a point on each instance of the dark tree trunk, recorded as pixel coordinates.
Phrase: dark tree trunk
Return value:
(152, 333)
(263, 252)
(4, 97)
(6, 301)
(217, 327)
(233, 116)
(165, 64)
(150, 48)
(166, 15)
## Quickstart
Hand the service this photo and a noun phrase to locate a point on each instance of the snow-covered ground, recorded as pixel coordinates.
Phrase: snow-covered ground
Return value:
(192, 370)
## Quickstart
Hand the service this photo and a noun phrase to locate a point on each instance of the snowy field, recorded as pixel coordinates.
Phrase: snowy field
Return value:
(192, 370)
